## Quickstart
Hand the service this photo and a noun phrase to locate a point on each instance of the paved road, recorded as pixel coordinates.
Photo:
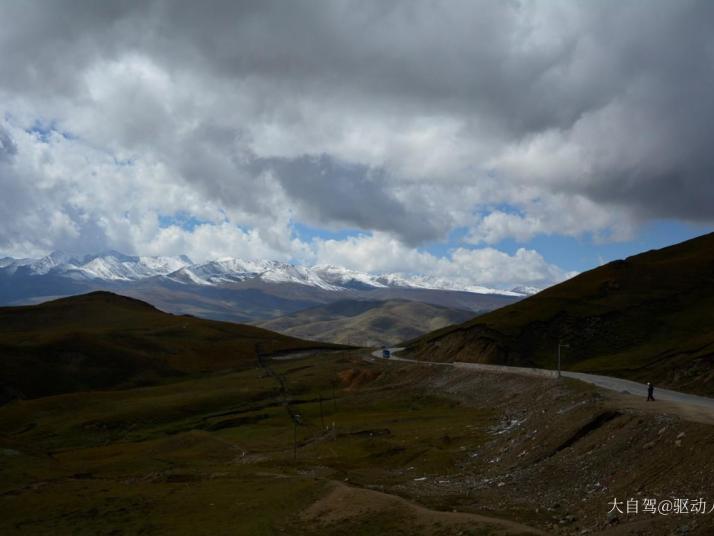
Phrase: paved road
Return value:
(606, 382)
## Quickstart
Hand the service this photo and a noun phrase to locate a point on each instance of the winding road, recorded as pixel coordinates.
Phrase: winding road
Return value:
(628, 387)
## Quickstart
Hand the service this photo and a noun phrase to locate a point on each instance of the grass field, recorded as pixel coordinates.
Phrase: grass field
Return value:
(413, 450)
(215, 454)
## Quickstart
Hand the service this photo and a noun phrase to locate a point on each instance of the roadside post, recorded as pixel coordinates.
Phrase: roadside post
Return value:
(561, 345)
(296, 419)
(322, 415)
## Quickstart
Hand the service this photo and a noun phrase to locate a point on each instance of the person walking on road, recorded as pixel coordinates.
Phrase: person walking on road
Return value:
(650, 392)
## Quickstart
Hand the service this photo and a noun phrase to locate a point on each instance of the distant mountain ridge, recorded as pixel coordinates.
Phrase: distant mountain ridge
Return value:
(110, 265)
(227, 289)
(116, 266)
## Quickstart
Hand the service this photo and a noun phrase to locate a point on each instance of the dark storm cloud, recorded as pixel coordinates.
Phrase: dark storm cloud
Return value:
(629, 84)
(350, 194)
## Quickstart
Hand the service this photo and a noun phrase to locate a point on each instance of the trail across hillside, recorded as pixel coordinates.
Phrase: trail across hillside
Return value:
(698, 408)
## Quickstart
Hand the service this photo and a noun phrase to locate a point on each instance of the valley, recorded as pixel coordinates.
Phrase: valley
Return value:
(356, 268)
(367, 323)
(119, 418)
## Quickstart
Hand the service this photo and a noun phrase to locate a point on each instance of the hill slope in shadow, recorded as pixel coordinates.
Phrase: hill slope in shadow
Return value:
(648, 317)
(102, 340)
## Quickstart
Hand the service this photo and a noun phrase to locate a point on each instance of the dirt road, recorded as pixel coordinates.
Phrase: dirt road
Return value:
(692, 407)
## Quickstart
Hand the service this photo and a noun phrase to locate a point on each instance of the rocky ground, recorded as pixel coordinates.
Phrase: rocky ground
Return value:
(560, 452)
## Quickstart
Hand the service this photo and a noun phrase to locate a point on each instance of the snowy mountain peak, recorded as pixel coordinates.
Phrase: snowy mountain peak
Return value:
(110, 265)
(111, 254)
(115, 266)
(47, 263)
(526, 290)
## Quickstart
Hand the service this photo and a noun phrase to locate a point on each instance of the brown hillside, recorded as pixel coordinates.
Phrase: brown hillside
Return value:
(650, 316)
(367, 323)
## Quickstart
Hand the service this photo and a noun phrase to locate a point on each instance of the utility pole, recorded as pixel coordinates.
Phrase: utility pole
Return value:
(322, 415)
(297, 419)
(294, 441)
(334, 400)
(561, 345)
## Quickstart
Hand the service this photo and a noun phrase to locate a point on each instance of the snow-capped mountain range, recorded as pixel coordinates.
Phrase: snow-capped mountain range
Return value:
(112, 266)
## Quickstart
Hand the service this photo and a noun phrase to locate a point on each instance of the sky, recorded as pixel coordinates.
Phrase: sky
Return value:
(501, 142)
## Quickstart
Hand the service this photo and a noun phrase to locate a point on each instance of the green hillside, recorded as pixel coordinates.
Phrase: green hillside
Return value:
(102, 340)
(648, 317)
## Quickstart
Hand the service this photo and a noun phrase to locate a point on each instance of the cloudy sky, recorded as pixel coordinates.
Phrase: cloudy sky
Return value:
(506, 142)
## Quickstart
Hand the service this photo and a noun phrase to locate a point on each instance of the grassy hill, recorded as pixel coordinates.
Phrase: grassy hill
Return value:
(102, 340)
(650, 316)
(367, 323)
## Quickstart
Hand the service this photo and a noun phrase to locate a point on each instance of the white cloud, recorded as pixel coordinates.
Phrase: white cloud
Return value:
(481, 266)
(508, 119)
(570, 215)
(491, 267)
(209, 242)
